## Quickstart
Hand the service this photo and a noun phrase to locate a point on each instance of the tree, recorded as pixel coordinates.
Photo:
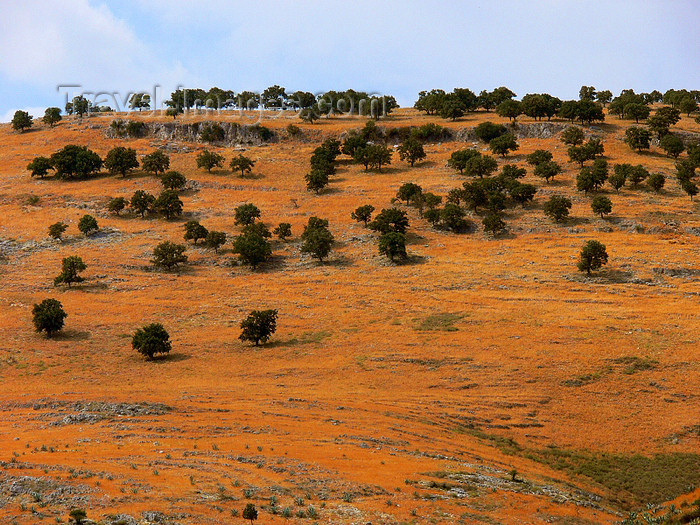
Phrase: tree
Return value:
(522, 193)
(39, 167)
(572, 136)
(503, 144)
(121, 160)
(689, 187)
(592, 257)
(70, 270)
(156, 162)
(150, 340)
(656, 181)
(637, 174)
(87, 225)
(52, 116)
(618, 178)
(246, 214)
(393, 245)
(78, 106)
(252, 247)
(48, 316)
(688, 105)
(637, 138)
(588, 111)
(215, 240)
(250, 513)
(195, 231)
(672, 145)
(140, 101)
(72, 160)
(242, 164)
(510, 109)
(579, 154)
(493, 223)
(173, 180)
(511, 171)
(168, 255)
(363, 213)
(317, 239)
(452, 218)
(283, 231)
(539, 156)
(636, 111)
(601, 205)
(452, 108)
(168, 203)
(142, 201)
(599, 172)
(376, 156)
(481, 166)
(458, 160)
(390, 219)
(587, 93)
(604, 97)
(21, 121)
(78, 515)
(662, 120)
(56, 230)
(316, 180)
(487, 131)
(408, 191)
(412, 151)
(584, 180)
(547, 170)
(209, 160)
(257, 328)
(557, 208)
(353, 142)
(116, 205)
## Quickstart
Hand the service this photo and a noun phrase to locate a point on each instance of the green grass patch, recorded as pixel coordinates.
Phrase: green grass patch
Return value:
(443, 322)
(633, 364)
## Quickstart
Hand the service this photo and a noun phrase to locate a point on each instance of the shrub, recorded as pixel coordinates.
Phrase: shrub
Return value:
(212, 132)
(283, 231)
(116, 205)
(393, 245)
(39, 167)
(195, 231)
(452, 218)
(557, 208)
(215, 240)
(209, 160)
(242, 164)
(168, 255)
(150, 340)
(48, 316)
(70, 271)
(168, 203)
(156, 162)
(601, 205)
(363, 213)
(173, 180)
(259, 326)
(78, 515)
(56, 230)
(487, 131)
(493, 223)
(142, 202)
(656, 181)
(87, 225)
(246, 214)
(121, 160)
(250, 513)
(592, 257)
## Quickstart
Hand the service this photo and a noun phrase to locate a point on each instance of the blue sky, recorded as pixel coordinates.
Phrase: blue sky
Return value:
(396, 48)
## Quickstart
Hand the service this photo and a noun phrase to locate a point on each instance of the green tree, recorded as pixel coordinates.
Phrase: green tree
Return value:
(656, 181)
(511, 171)
(169, 255)
(116, 205)
(252, 247)
(458, 160)
(547, 170)
(75, 161)
(156, 162)
(195, 231)
(660, 122)
(604, 97)
(452, 218)
(637, 138)
(452, 108)
(56, 230)
(493, 223)
(557, 208)
(408, 191)
(584, 180)
(78, 106)
(411, 150)
(618, 178)
(150, 340)
(121, 160)
(78, 515)
(688, 105)
(246, 214)
(39, 167)
(572, 136)
(503, 145)
(393, 245)
(173, 180)
(52, 116)
(481, 166)
(352, 143)
(257, 328)
(242, 164)
(140, 101)
(509, 109)
(70, 271)
(522, 193)
(87, 225)
(376, 156)
(169, 204)
(390, 219)
(592, 257)
(589, 111)
(21, 121)
(636, 111)
(142, 201)
(316, 180)
(579, 154)
(487, 131)
(317, 239)
(689, 187)
(209, 160)
(672, 145)
(283, 231)
(363, 213)
(587, 93)
(215, 240)
(637, 174)
(539, 156)
(601, 205)
(48, 316)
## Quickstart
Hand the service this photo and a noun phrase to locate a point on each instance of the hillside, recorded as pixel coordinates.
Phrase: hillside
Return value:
(390, 393)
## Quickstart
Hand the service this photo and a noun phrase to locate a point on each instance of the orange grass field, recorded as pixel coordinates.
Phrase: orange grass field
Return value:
(389, 393)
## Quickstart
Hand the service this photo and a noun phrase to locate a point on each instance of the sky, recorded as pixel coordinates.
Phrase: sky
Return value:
(387, 47)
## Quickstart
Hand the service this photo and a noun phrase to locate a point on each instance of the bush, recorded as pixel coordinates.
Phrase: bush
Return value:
(212, 132)
(168, 255)
(209, 160)
(121, 160)
(487, 131)
(283, 231)
(142, 202)
(593, 256)
(48, 316)
(259, 326)
(493, 224)
(156, 162)
(363, 213)
(56, 230)
(557, 208)
(39, 167)
(601, 205)
(317, 239)
(656, 181)
(70, 271)
(173, 180)
(195, 231)
(169, 204)
(116, 205)
(215, 240)
(452, 218)
(393, 245)
(150, 340)
(246, 214)
(87, 225)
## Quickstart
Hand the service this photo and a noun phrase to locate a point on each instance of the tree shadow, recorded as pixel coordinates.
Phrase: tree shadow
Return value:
(411, 260)
(168, 358)
(340, 261)
(414, 238)
(71, 335)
